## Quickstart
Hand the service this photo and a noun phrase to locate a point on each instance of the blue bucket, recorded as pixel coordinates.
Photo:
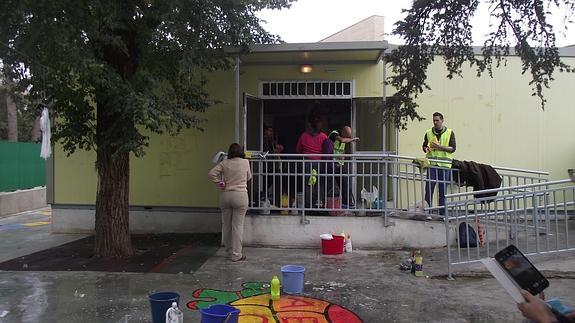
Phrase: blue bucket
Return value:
(292, 276)
(160, 303)
(218, 313)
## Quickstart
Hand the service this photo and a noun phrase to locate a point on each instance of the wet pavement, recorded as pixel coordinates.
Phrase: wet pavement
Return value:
(366, 283)
(29, 232)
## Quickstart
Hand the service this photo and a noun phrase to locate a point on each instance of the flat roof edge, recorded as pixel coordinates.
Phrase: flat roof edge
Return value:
(311, 47)
(563, 51)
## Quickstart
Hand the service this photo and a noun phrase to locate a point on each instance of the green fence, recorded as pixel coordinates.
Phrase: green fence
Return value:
(21, 166)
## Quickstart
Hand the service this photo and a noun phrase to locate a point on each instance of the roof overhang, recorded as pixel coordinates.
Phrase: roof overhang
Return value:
(365, 52)
(567, 51)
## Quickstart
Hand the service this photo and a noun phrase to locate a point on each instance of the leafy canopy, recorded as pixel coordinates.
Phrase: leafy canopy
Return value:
(444, 28)
(140, 62)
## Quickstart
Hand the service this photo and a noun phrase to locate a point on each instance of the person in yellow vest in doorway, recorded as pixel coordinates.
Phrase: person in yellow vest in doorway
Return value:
(439, 145)
(340, 140)
(336, 145)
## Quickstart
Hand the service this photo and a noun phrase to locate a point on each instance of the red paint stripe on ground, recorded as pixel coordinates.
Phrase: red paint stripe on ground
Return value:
(167, 261)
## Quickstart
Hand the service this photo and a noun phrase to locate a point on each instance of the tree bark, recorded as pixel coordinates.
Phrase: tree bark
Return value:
(113, 159)
(36, 133)
(112, 199)
(12, 118)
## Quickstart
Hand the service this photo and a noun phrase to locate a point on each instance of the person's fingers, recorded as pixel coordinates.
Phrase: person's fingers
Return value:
(527, 295)
(542, 296)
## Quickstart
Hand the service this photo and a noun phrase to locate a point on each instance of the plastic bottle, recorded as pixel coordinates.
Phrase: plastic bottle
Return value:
(266, 205)
(275, 288)
(418, 264)
(294, 206)
(284, 204)
(348, 246)
(174, 315)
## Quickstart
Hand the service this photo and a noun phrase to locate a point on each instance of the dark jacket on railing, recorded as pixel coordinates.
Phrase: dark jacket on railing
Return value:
(480, 176)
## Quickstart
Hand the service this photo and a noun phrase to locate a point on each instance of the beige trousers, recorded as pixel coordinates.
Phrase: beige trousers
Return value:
(234, 207)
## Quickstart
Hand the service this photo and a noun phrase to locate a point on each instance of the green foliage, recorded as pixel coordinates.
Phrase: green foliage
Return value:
(26, 118)
(443, 28)
(111, 70)
(26, 114)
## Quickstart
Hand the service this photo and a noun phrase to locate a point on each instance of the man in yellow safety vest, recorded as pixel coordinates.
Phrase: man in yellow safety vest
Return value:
(339, 141)
(336, 145)
(439, 146)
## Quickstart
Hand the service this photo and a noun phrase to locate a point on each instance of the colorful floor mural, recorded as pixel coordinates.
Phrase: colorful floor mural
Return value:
(256, 306)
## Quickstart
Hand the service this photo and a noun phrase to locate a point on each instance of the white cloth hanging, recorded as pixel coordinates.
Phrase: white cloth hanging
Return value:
(46, 150)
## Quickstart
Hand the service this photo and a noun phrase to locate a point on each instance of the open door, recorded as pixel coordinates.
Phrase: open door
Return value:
(369, 126)
(376, 138)
(253, 123)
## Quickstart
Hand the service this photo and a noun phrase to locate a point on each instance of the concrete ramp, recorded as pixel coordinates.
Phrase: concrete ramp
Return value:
(402, 230)
(366, 232)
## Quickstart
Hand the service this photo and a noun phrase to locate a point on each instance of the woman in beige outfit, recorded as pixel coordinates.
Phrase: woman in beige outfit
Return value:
(231, 176)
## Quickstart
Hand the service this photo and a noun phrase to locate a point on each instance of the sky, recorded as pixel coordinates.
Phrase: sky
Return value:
(312, 20)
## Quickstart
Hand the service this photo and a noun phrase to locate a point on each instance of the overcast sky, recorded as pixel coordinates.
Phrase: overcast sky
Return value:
(312, 20)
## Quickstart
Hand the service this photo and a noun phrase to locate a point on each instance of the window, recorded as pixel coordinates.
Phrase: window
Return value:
(306, 89)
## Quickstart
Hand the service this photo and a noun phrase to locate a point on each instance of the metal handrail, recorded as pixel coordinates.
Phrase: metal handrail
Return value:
(539, 220)
(399, 181)
(508, 188)
(371, 155)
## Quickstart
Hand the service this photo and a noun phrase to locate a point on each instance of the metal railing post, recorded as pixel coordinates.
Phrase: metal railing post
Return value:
(536, 220)
(303, 219)
(385, 206)
(448, 242)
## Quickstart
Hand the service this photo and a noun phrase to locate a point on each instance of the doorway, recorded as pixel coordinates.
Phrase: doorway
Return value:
(289, 118)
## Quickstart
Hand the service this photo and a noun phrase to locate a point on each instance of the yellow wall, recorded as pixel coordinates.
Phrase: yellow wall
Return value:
(368, 78)
(74, 177)
(498, 122)
(174, 170)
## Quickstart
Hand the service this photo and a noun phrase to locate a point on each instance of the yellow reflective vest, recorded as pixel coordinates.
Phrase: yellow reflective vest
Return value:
(338, 147)
(436, 153)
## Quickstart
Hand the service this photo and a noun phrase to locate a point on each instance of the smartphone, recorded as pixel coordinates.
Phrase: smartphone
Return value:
(521, 270)
(559, 307)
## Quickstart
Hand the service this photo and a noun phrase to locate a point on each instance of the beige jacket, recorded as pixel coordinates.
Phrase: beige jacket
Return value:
(235, 173)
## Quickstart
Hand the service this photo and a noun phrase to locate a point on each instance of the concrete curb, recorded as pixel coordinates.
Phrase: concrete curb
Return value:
(22, 200)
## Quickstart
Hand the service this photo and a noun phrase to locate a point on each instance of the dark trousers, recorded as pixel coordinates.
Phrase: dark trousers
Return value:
(440, 176)
(337, 182)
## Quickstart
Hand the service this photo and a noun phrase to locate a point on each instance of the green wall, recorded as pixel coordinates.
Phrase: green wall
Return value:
(21, 166)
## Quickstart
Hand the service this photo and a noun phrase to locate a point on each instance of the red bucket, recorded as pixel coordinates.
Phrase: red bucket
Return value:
(333, 246)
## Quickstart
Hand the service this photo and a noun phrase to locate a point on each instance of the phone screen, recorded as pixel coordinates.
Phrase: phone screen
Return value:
(522, 271)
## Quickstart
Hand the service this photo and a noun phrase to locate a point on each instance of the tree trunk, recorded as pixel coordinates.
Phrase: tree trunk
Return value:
(112, 198)
(12, 118)
(36, 133)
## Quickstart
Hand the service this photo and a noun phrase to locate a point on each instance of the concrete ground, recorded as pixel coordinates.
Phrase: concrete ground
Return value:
(368, 283)
(28, 232)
